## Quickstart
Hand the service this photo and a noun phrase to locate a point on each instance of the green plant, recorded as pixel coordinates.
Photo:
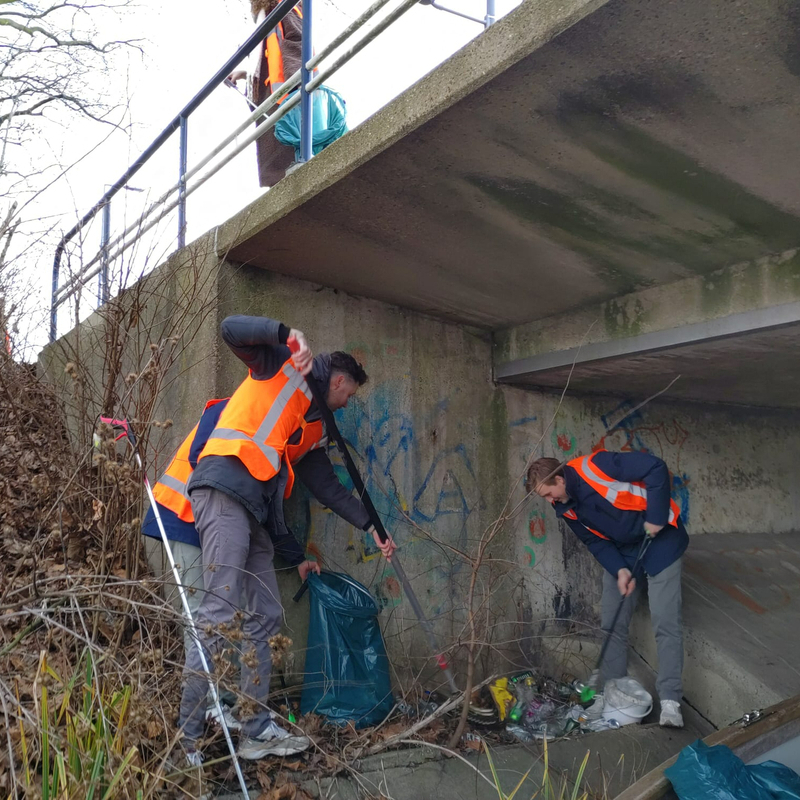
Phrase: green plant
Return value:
(79, 752)
(559, 787)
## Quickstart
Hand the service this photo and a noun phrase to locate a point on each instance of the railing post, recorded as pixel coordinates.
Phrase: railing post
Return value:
(491, 15)
(54, 291)
(184, 134)
(306, 98)
(105, 237)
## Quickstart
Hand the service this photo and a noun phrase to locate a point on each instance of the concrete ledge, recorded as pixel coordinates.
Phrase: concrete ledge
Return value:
(756, 321)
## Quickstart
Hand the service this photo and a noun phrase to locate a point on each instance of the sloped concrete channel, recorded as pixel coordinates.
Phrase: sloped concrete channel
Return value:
(617, 759)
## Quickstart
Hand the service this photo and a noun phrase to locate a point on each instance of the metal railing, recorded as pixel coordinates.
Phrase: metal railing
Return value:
(305, 78)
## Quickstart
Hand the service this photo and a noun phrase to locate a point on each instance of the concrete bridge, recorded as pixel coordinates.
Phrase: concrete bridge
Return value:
(596, 193)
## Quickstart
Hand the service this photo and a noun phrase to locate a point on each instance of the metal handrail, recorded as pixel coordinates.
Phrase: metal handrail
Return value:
(258, 35)
(308, 83)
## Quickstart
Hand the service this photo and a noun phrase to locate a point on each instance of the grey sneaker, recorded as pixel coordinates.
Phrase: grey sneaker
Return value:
(272, 741)
(671, 716)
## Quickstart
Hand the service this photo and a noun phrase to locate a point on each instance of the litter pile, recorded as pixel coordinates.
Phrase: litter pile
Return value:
(535, 708)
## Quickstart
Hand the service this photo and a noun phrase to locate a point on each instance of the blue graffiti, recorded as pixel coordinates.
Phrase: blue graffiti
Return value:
(516, 423)
(383, 444)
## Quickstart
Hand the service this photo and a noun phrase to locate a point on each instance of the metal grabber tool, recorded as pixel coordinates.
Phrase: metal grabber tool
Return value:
(590, 690)
(333, 431)
(122, 424)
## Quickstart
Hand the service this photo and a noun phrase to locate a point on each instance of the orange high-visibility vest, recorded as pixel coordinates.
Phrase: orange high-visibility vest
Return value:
(170, 490)
(274, 53)
(621, 494)
(258, 421)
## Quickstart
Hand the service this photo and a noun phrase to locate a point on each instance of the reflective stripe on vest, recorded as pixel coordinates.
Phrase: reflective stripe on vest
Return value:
(273, 50)
(170, 490)
(259, 419)
(621, 494)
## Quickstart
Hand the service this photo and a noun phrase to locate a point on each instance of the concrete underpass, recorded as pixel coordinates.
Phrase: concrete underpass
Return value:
(596, 193)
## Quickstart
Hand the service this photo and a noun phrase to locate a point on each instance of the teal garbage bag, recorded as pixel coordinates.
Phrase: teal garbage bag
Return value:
(716, 773)
(347, 671)
(329, 116)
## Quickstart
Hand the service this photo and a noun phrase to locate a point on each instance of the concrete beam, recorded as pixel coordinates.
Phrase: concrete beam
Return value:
(748, 322)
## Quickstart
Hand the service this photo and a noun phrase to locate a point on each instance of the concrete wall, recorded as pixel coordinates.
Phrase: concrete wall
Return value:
(428, 432)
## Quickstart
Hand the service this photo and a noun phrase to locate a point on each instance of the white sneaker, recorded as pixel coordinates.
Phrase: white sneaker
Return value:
(212, 715)
(671, 716)
(272, 741)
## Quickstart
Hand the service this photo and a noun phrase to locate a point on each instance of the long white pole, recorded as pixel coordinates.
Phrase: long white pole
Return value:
(193, 628)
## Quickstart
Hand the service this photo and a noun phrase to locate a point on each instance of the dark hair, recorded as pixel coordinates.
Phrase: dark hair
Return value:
(347, 365)
(543, 471)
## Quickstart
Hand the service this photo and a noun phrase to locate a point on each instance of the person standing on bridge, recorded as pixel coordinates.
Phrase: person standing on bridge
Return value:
(269, 430)
(611, 501)
(278, 58)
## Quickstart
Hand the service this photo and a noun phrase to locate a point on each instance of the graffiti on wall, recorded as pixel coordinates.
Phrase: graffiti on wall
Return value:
(537, 534)
(664, 439)
(564, 443)
(411, 481)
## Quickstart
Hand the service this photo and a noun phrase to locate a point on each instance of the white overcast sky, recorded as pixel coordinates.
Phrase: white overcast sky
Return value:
(183, 45)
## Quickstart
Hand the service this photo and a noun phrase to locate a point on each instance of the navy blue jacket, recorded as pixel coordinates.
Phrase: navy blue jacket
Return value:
(177, 530)
(624, 529)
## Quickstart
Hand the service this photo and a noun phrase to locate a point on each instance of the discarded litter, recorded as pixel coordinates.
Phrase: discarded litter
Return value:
(626, 701)
(541, 707)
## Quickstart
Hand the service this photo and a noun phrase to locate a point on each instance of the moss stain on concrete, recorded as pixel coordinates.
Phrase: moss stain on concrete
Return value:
(624, 318)
(784, 273)
(746, 224)
(493, 451)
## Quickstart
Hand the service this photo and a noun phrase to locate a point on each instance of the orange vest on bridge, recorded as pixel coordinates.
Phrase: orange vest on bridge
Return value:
(621, 494)
(274, 53)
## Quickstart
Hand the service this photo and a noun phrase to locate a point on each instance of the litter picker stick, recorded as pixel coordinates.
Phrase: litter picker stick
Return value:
(333, 430)
(588, 692)
(128, 433)
(228, 82)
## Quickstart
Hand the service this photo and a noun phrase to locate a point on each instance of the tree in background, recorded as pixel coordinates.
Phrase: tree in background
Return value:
(54, 63)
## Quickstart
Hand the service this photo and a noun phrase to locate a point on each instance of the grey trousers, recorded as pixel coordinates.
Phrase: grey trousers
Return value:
(238, 575)
(189, 560)
(664, 591)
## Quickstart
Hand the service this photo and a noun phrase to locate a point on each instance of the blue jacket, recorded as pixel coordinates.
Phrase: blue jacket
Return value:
(624, 529)
(177, 530)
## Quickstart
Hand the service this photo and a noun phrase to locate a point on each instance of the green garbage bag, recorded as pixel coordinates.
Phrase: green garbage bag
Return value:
(347, 672)
(329, 117)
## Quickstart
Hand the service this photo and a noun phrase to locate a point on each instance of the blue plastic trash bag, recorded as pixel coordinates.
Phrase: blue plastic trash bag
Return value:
(715, 773)
(329, 116)
(347, 672)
